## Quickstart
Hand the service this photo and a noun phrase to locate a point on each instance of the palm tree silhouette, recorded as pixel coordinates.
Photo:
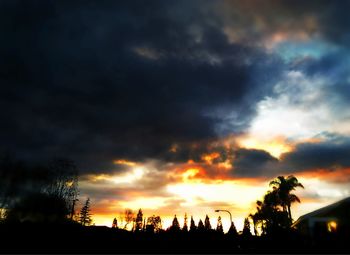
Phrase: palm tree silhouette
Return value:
(283, 187)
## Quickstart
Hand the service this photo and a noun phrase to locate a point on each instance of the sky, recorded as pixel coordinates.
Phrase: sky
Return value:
(181, 106)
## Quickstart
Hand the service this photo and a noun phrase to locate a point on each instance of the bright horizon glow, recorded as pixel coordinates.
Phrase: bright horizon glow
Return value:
(198, 198)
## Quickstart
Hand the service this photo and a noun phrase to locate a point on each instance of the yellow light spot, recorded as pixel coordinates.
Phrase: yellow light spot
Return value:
(190, 173)
(70, 183)
(208, 158)
(332, 226)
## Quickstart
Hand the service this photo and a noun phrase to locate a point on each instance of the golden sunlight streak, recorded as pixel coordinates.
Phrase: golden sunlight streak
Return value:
(124, 162)
(135, 175)
(276, 147)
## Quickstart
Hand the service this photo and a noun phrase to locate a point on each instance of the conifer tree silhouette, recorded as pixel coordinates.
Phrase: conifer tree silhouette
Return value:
(207, 225)
(138, 221)
(185, 227)
(200, 226)
(85, 215)
(246, 228)
(193, 226)
(175, 225)
(232, 230)
(219, 227)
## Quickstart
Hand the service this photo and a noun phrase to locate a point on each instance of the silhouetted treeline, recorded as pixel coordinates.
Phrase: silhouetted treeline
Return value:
(37, 193)
(38, 216)
(75, 238)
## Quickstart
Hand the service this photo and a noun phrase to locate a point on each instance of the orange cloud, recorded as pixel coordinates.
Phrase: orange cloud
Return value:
(124, 162)
(338, 174)
(208, 158)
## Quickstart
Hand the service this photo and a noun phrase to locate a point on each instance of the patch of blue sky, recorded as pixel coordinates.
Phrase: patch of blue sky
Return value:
(289, 51)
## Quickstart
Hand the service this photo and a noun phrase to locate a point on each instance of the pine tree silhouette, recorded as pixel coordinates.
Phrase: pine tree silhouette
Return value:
(246, 228)
(219, 227)
(85, 215)
(138, 221)
(185, 227)
(193, 226)
(200, 226)
(232, 230)
(175, 226)
(207, 225)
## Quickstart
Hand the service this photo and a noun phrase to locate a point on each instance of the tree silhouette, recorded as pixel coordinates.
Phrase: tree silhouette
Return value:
(200, 227)
(255, 220)
(38, 207)
(246, 228)
(85, 215)
(175, 226)
(207, 225)
(138, 221)
(232, 230)
(144, 225)
(193, 226)
(154, 224)
(25, 189)
(115, 223)
(128, 217)
(219, 227)
(269, 215)
(63, 181)
(11, 182)
(283, 187)
(185, 227)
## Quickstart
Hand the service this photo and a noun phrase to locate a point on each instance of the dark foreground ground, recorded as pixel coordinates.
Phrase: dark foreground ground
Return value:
(34, 238)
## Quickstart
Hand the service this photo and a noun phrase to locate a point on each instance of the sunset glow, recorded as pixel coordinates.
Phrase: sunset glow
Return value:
(175, 107)
(275, 146)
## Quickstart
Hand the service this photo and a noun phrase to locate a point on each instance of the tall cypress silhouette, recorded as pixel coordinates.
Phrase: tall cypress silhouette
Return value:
(200, 226)
(219, 227)
(175, 225)
(193, 226)
(138, 221)
(232, 230)
(185, 227)
(207, 225)
(246, 228)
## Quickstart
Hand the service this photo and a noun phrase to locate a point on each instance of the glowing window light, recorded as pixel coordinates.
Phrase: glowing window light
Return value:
(332, 226)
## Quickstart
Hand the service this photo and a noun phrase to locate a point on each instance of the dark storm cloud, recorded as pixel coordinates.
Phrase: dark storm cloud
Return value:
(253, 163)
(328, 155)
(332, 154)
(95, 81)
(325, 19)
(335, 22)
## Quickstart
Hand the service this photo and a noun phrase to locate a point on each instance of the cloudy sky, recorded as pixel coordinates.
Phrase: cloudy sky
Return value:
(181, 106)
